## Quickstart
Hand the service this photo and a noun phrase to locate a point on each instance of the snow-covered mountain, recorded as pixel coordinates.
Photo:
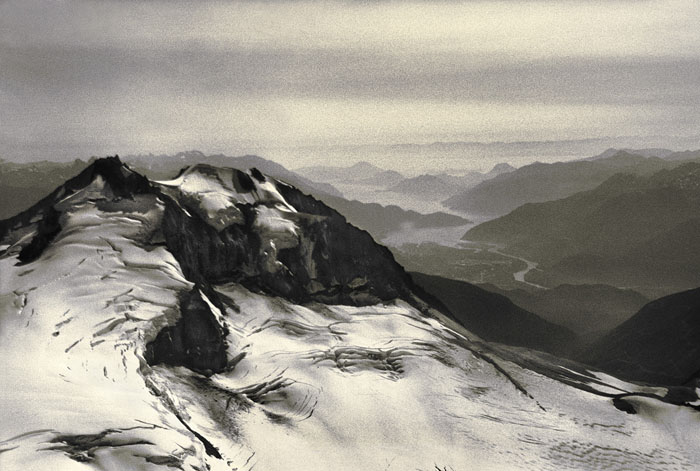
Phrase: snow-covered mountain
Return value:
(164, 166)
(226, 321)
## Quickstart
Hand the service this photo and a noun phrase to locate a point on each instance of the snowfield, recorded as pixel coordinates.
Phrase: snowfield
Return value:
(308, 387)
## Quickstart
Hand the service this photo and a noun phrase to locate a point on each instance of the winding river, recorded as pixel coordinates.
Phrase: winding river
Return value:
(495, 248)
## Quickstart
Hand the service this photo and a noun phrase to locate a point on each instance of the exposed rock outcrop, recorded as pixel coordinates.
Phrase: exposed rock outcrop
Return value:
(197, 340)
(272, 238)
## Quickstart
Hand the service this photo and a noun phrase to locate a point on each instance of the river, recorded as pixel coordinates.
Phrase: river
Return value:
(495, 248)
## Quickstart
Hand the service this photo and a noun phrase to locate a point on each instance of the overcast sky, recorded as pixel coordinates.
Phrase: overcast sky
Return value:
(93, 77)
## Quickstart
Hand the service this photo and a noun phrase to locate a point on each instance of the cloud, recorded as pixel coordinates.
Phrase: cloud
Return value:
(162, 75)
(505, 29)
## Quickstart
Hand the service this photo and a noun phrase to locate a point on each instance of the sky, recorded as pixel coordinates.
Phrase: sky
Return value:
(95, 77)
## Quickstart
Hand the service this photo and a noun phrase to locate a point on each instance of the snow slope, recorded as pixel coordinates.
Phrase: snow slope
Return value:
(391, 384)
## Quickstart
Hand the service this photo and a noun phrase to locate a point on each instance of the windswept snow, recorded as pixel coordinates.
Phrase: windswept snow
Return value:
(216, 192)
(365, 388)
(72, 333)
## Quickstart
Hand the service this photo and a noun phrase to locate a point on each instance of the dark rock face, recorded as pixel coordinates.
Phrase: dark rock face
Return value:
(257, 174)
(624, 406)
(47, 230)
(344, 264)
(205, 254)
(196, 341)
(333, 261)
(349, 264)
(124, 182)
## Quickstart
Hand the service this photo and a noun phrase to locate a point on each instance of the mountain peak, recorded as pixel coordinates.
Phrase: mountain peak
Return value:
(121, 179)
(502, 168)
(625, 153)
(225, 224)
(364, 165)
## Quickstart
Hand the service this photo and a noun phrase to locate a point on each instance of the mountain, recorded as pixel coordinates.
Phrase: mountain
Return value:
(631, 231)
(498, 169)
(587, 310)
(494, 317)
(22, 185)
(684, 155)
(665, 154)
(165, 166)
(454, 157)
(503, 167)
(659, 344)
(541, 182)
(384, 178)
(381, 221)
(439, 187)
(247, 220)
(428, 186)
(225, 320)
(651, 152)
(361, 171)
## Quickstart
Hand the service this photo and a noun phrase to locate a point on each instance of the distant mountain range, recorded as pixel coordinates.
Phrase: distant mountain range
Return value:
(458, 156)
(383, 178)
(442, 185)
(359, 172)
(652, 152)
(631, 231)
(684, 155)
(433, 186)
(540, 182)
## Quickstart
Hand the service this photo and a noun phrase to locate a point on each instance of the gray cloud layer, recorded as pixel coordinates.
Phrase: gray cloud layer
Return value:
(168, 75)
(332, 74)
